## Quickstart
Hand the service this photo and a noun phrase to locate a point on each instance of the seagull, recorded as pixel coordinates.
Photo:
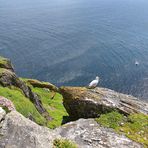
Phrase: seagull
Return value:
(136, 63)
(94, 83)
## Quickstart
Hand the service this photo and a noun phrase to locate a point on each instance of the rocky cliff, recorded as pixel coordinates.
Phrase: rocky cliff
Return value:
(31, 97)
(18, 132)
(81, 102)
(98, 118)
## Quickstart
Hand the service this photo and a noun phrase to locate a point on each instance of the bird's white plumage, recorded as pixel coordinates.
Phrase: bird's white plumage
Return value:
(94, 83)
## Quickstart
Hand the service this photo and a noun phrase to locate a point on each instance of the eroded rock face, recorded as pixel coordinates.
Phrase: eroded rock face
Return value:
(36, 83)
(88, 134)
(6, 64)
(16, 131)
(9, 78)
(89, 103)
(4, 102)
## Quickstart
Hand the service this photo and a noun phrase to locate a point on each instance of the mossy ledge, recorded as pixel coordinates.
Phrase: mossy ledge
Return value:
(134, 126)
(32, 98)
(81, 102)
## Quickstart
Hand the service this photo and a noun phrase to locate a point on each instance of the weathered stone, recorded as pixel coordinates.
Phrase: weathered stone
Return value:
(4, 102)
(81, 102)
(6, 64)
(20, 132)
(9, 78)
(36, 83)
(89, 134)
(2, 113)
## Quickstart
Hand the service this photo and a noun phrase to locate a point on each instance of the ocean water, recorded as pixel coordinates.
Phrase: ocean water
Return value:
(69, 42)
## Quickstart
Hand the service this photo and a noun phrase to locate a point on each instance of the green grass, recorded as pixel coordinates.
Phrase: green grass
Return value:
(63, 143)
(53, 106)
(134, 126)
(111, 120)
(3, 60)
(22, 104)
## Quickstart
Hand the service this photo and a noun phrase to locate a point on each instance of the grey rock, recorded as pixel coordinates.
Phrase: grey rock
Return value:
(2, 113)
(16, 131)
(81, 102)
(20, 132)
(89, 134)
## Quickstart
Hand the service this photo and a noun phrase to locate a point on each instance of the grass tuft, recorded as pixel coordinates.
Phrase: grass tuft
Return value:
(134, 126)
(54, 106)
(63, 143)
(22, 104)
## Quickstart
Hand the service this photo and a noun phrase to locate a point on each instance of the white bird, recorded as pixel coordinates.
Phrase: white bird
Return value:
(94, 83)
(136, 63)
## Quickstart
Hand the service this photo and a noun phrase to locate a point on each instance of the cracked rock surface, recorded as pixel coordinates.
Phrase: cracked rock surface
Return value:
(16, 131)
(88, 134)
(81, 102)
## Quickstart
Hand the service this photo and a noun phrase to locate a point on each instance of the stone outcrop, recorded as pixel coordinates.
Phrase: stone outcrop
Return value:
(16, 131)
(81, 102)
(36, 83)
(9, 78)
(6, 64)
(88, 134)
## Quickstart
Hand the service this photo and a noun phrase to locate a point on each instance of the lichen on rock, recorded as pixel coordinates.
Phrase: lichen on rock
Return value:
(90, 103)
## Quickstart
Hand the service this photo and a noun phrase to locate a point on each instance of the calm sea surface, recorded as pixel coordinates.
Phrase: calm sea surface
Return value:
(69, 42)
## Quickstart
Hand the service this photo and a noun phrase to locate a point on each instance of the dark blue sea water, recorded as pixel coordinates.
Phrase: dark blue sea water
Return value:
(69, 42)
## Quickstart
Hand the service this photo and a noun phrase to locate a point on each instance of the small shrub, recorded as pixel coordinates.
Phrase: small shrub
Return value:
(63, 143)
(112, 119)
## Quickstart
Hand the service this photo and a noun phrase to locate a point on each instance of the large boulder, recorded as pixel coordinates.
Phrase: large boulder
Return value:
(87, 133)
(81, 102)
(16, 131)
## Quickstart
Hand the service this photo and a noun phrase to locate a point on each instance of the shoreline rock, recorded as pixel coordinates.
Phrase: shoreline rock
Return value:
(87, 133)
(17, 131)
(81, 102)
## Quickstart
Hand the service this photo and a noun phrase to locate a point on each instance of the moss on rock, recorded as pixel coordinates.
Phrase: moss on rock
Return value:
(64, 143)
(54, 106)
(22, 104)
(5, 63)
(40, 84)
(134, 126)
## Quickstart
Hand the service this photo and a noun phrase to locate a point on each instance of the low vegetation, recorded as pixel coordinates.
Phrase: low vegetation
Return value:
(51, 101)
(3, 60)
(22, 104)
(64, 143)
(134, 126)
